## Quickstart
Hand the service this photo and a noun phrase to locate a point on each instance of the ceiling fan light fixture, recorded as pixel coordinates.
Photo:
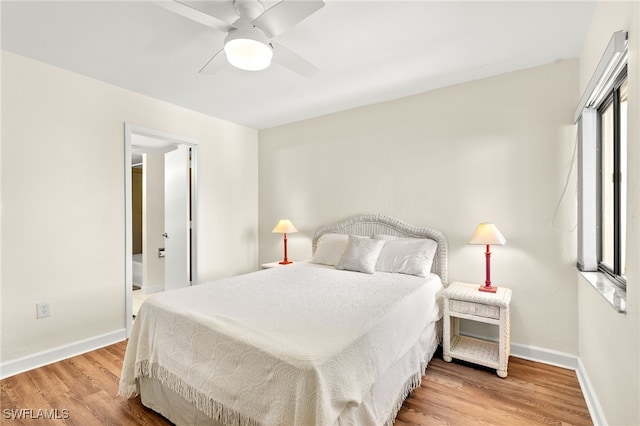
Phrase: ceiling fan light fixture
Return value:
(248, 49)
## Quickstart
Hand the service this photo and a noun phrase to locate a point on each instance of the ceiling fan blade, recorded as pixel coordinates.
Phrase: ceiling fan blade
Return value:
(285, 15)
(296, 63)
(215, 64)
(199, 14)
(222, 10)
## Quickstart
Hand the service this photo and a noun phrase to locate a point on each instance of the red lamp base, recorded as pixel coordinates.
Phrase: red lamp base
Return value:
(286, 260)
(487, 283)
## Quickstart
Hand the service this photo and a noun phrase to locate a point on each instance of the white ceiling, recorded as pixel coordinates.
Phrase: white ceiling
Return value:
(367, 51)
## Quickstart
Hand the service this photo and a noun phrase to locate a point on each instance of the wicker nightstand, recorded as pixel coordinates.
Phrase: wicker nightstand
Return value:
(272, 265)
(465, 301)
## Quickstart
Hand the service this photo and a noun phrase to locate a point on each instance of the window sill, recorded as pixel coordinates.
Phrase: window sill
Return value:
(613, 294)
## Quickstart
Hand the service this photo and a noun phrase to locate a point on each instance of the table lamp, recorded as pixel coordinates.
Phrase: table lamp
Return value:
(284, 227)
(487, 234)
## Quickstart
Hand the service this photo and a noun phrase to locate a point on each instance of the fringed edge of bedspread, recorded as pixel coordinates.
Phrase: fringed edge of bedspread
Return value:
(212, 408)
(128, 391)
(412, 383)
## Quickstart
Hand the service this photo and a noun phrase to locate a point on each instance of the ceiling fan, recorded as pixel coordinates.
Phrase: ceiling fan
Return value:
(250, 30)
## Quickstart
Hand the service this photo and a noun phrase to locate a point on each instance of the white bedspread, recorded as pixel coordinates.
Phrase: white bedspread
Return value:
(294, 345)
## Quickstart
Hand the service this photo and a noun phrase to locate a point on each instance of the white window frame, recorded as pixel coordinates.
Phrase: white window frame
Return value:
(616, 271)
(607, 72)
(586, 116)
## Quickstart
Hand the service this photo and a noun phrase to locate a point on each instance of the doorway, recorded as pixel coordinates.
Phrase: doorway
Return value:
(167, 243)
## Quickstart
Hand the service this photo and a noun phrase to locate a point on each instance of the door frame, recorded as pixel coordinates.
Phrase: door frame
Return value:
(129, 131)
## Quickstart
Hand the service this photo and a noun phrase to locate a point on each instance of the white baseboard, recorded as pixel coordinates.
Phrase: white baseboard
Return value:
(597, 415)
(545, 356)
(20, 365)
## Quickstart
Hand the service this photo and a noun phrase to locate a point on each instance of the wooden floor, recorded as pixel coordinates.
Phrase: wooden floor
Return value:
(82, 391)
(463, 394)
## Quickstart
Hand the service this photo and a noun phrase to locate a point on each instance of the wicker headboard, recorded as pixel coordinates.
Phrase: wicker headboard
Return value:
(370, 224)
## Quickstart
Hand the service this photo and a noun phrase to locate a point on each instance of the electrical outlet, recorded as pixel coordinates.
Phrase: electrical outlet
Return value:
(43, 310)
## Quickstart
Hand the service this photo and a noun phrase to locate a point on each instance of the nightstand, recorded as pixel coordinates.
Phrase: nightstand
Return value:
(463, 300)
(271, 265)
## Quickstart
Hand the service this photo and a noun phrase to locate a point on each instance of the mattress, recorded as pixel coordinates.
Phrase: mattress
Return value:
(302, 344)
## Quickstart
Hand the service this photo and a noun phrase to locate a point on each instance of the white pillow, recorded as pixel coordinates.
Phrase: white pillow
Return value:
(361, 254)
(330, 248)
(412, 256)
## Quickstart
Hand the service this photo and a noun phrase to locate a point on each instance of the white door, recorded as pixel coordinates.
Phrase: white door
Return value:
(176, 218)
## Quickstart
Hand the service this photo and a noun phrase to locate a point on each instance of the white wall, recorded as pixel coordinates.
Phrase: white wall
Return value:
(609, 343)
(62, 192)
(497, 149)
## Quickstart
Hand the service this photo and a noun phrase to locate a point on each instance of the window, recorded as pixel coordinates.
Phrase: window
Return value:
(601, 116)
(612, 189)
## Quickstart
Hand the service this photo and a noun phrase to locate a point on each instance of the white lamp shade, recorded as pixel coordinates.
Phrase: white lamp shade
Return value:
(247, 54)
(248, 48)
(487, 233)
(284, 227)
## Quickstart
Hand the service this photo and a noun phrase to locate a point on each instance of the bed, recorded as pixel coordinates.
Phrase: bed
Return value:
(341, 339)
